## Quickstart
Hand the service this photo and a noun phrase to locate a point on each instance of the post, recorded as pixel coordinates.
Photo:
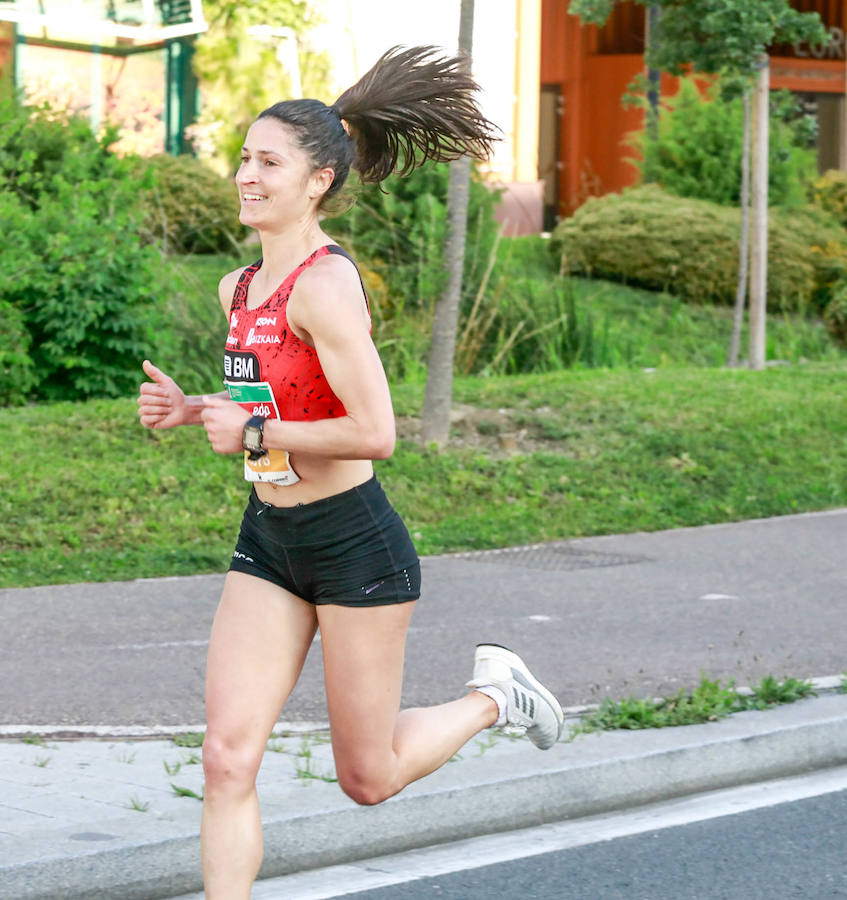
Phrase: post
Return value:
(759, 236)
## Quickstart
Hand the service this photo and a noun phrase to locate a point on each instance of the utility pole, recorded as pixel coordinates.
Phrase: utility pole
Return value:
(759, 241)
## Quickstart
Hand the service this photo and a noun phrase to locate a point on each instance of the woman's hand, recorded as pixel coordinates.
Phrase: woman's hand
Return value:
(161, 403)
(224, 423)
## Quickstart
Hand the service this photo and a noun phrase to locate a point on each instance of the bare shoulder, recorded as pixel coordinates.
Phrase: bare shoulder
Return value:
(328, 290)
(226, 288)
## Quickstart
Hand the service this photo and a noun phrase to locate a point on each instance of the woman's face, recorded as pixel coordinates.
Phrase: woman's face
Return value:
(276, 182)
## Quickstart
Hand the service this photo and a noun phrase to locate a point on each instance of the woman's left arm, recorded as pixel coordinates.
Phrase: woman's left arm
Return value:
(326, 308)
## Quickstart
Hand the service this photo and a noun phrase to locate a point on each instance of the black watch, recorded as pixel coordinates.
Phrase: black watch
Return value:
(251, 437)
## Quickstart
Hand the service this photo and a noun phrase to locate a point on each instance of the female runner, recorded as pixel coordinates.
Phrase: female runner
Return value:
(308, 405)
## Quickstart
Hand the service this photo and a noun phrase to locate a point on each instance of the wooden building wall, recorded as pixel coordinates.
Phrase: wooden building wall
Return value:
(591, 68)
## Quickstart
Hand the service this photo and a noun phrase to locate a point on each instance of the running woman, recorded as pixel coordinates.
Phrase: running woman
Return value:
(308, 405)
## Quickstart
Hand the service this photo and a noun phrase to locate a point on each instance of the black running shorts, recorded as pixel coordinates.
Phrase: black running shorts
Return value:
(351, 549)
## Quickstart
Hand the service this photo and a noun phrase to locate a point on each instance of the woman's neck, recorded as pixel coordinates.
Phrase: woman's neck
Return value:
(284, 251)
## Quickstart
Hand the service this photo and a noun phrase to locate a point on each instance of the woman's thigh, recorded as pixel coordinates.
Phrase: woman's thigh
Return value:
(363, 652)
(259, 641)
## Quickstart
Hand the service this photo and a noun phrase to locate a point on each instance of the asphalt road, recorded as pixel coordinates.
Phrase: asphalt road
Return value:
(794, 850)
(633, 614)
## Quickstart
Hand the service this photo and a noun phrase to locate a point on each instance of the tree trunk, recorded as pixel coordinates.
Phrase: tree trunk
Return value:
(435, 418)
(744, 246)
(759, 243)
(654, 76)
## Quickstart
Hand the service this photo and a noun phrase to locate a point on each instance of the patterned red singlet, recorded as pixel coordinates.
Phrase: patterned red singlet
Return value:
(269, 371)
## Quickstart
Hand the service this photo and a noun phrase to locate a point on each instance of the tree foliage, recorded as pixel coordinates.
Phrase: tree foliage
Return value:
(240, 74)
(76, 286)
(696, 148)
(726, 37)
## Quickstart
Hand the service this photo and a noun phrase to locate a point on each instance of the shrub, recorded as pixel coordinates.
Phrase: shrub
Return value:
(835, 315)
(650, 238)
(401, 227)
(829, 192)
(188, 208)
(74, 271)
(37, 146)
(697, 151)
(17, 370)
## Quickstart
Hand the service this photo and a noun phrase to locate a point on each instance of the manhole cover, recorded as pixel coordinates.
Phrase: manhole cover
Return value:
(557, 557)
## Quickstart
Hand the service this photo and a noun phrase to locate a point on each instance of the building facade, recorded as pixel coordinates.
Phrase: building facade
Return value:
(585, 72)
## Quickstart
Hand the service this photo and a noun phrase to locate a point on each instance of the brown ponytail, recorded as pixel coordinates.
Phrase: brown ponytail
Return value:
(412, 106)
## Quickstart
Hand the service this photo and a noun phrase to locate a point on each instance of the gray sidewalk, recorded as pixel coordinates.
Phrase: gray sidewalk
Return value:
(102, 820)
(641, 614)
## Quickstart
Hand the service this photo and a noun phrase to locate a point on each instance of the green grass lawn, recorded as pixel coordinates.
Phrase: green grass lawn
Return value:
(88, 495)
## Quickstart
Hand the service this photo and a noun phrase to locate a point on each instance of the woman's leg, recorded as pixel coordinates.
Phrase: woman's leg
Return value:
(259, 642)
(378, 749)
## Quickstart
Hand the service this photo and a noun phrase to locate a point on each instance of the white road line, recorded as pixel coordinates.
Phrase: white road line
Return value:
(340, 881)
(197, 643)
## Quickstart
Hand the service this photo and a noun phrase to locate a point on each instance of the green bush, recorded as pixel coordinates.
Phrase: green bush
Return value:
(17, 370)
(74, 270)
(835, 315)
(698, 147)
(829, 192)
(189, 208)
(37, 146)
(400, 226)
(647, 237)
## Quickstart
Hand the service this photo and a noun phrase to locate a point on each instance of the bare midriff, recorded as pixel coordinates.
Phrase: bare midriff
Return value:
(319, 478)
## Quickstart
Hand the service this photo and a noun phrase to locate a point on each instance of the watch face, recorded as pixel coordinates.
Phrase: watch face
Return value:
(252, 439)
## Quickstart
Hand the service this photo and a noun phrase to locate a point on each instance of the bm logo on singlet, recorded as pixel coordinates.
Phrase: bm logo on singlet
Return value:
(239, 366)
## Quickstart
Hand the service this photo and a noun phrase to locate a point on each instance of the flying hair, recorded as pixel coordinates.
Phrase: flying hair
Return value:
(414, 105)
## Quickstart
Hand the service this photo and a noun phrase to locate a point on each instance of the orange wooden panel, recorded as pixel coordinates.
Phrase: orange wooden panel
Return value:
(815, 76)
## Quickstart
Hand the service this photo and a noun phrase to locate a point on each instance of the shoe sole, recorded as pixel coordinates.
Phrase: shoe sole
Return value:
(511, 659)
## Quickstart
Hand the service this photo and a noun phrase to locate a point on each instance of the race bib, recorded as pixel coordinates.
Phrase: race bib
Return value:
(273, 466)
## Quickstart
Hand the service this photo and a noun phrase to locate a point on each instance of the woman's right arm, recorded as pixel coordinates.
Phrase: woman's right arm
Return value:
(161, 402)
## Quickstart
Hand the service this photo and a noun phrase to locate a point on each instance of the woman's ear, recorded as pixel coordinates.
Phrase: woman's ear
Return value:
(320, 182)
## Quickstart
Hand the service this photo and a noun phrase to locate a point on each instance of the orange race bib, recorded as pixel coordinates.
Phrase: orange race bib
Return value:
(274, 466)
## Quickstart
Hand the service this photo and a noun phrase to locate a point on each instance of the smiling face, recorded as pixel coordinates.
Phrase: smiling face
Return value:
(276, 181)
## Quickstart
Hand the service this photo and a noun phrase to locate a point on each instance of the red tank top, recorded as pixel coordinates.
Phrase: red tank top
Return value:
(268, 370)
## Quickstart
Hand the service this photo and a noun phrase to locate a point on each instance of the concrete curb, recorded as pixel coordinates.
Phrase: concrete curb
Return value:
(511, 787)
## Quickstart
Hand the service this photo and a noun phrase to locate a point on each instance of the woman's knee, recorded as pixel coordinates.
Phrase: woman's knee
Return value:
(229, 763)
(366, 785)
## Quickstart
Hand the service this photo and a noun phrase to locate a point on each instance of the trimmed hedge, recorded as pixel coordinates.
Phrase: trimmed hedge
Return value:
(689, 248)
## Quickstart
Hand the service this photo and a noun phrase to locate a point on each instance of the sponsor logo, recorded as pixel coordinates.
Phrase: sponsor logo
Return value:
(239, 555)
(240, 366)
(265, 320)
(232, 340)
(253, 338)
(233, 321)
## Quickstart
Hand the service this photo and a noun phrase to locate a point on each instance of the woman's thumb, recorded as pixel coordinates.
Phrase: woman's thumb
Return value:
(152, 371)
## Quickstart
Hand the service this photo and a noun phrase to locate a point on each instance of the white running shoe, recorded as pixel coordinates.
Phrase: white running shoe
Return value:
(529, 705)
